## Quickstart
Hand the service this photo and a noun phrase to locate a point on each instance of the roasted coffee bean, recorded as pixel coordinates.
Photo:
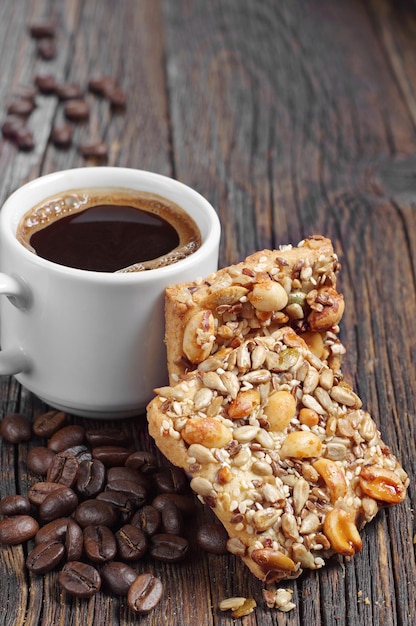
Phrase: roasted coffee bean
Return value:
(79, 579)
(171, 480)
(128, 473)
(61, 135)
(91, 478)
(123, 502)
(63, 469)
(99, 544)
(168, 548)
(21, 106)
(74, 541)
(186, 504)
(148, 519)
(212, 538)
(46, 83)
(46, 48)
(38, 459)
(14, 505)
(66, 437)
(96, 512)
(106, 437)
(59, 503)
(81, 453)
(77, 110)
(111, 456)
(49, 423)
(17, 529)
(68, 91)
(131, 543)
(45, 556)
(24, 139)
(116, 97)
(134, 490)
(42, 28)
(41, 490)
(172, 520)
(53, 531)
(100, 84)
(117, 577)
(96, 149)
(145, 593)
(145, 461)
(15, 428)
(11, 125)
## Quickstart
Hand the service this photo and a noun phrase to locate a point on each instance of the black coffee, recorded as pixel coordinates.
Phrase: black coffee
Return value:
(109, 230)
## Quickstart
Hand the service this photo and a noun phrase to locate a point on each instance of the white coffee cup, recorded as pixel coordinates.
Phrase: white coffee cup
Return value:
(85, 342)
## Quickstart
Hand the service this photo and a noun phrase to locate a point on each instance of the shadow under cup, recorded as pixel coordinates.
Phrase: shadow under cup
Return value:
(92, 343)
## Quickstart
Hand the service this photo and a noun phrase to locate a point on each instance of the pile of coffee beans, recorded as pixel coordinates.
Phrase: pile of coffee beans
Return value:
(98, 508)
(71, 95)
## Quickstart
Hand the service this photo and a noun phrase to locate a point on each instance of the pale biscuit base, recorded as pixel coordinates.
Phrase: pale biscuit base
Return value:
(281, 450)
(293, 286)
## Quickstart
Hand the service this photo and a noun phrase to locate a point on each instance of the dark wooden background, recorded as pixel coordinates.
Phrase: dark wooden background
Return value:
(292, 117)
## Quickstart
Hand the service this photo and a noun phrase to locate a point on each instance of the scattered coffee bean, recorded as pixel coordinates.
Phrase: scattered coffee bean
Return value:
(24, 139)
(42, 28)
(14, 505)
(172, 520)
(99, 544)
(61, 135)
(120, 472)
(48, 423)
(145, 461)
(131, 542)
(63, 469)
(41, 490)
(68, 91)
(168, 548)
(17, 529)
(212, 538)
(97, 512)
(96, 149)
(54, 530)
(38, 459)
(21, 106)
(66, 437)
(106, 437)
(148, 519)
(46, 83)
(122, 502)
(74, 541)
(46, 48)
(101, 84)
(171, 480)
(45, 557)
(15, 428)
(11, 125)
(111, 456)
(77, 110)
(116, 97)
(59, 503)
(185, 504)
(145, 593)
(117, 577)
(79, 579)
(91, 478)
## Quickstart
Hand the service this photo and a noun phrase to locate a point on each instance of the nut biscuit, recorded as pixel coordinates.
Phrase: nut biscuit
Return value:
(279, 446)
(294, 286)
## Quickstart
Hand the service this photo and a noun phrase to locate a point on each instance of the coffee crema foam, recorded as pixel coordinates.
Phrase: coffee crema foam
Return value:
(71, 202)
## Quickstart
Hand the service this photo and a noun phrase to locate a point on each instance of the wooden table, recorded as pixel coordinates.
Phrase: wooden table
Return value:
(293, 117)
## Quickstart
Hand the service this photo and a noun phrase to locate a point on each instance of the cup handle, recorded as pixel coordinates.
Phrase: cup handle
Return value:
(14, 360)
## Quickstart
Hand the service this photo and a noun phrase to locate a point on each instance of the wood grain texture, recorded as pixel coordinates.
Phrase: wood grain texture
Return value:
(292, 118)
